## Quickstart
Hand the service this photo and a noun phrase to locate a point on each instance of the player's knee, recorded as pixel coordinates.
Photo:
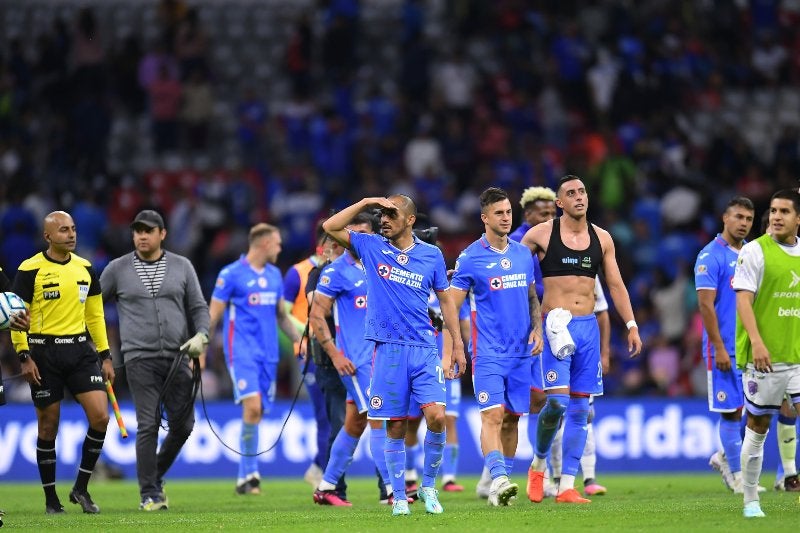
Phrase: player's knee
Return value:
(355, 426)
(99, 422)
(436, 422)
(538, 400)
(510, 423)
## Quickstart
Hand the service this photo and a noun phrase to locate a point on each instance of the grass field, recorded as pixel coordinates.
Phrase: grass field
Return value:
(695, 502)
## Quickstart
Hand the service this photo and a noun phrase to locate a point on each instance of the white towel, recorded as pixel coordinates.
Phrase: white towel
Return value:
(561, 343)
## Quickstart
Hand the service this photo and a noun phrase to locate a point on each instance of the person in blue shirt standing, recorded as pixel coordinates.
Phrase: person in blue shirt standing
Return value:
(716, 299)
(497, 273)
(342, 291)
(401, 270)
(248, 299)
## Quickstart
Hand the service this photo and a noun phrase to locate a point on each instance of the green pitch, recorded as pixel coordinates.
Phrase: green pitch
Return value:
(635, 503)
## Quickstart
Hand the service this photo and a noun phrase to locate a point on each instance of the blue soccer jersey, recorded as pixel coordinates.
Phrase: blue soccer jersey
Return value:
(344, 281)
(398, 286)
(714, 270)
(498, 282)
(249, 326)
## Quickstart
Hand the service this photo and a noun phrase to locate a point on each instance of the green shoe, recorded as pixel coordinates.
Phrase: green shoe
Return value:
(430, 496)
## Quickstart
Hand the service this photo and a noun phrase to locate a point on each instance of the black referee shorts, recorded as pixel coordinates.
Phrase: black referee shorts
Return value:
(64, 361)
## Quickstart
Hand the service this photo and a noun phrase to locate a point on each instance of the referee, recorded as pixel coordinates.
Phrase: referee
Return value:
(62, 293)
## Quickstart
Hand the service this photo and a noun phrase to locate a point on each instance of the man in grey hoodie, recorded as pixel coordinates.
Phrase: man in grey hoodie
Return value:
(162, 313)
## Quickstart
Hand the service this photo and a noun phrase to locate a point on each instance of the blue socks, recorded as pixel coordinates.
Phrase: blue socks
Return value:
(509, 461)
(377, 442)
(575, 431)
(433, 449)
(495, 464)
(342, 450)
(549, 420)
(731, 439)
(395, 453)
(249, 447)
(450, 461)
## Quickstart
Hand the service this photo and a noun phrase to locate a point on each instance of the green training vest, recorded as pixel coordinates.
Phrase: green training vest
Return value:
(776, 307)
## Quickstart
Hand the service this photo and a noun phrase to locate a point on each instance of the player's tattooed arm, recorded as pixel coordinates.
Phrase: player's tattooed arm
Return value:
(535, 311)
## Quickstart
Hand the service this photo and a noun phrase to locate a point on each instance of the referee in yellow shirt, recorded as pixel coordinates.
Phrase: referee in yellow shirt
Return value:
(63, 295)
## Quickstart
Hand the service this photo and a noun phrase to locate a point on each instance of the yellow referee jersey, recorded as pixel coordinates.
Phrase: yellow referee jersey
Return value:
(64, 298)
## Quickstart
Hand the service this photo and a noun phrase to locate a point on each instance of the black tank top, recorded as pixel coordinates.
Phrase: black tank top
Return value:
(562, 261)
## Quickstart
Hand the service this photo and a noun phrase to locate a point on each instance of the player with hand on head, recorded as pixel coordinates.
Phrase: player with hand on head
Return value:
(62, 293)
(716, 299)
(497, 273)
(342, 291)
(401, 270)
(768, 333)
(248, 300)
(571, 251)
(162, 316)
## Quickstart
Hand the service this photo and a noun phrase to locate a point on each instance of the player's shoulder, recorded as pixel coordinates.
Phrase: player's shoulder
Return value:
(34, 262)
(82, 261)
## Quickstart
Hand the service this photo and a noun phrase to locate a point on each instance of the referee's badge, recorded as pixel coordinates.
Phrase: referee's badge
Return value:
(83, 292)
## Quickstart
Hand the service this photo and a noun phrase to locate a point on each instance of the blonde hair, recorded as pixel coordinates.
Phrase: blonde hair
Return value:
(535, 194)
(260, 230)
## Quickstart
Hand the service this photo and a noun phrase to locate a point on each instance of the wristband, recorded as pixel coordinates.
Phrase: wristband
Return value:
(104, 355)
(631, 324)
(24, 355)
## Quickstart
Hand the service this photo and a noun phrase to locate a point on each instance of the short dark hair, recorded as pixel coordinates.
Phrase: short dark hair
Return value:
(368, 218)
(741, 201)
(564, 179)
(408, 204)
(788, 194)
(492, 195)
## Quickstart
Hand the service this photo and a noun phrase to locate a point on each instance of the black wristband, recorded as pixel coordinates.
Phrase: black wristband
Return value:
(24, 355)
(104, 355)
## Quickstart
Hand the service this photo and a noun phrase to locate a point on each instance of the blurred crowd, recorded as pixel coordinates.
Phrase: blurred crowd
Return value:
(224, 113)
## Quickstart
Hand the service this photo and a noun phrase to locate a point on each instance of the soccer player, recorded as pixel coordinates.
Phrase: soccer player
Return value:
(294, 294)
(342, 291)
(162, 312)
(401, 270)
(62, 294)
(571, 251)
(767, 332)
(498, 275)
(713, 272)
(248, 298)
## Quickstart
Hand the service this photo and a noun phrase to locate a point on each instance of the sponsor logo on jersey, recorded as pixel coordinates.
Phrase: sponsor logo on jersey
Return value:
(384, 271)
(262, 298)
(702, 269)
(795, 279)
(361, 302)
(51, 295)
(220, 282)
(569, 260)
(324, 280)
(83, 292)
(586, 262)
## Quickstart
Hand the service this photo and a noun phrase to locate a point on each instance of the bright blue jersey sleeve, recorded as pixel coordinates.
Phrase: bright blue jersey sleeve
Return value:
(498, 282)
(250, 321)
(344, 282)
(291, 284)
(714, 269)
(398, 286)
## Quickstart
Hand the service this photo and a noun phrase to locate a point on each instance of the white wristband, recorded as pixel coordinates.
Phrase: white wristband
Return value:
(631, 324)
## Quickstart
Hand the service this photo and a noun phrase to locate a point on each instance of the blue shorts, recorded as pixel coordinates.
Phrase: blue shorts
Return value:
(401, 373)
(357, 387)
(254, 376)
(581, 372)
(502, 382)
(725, 394)
(453, 399)
(537, 382)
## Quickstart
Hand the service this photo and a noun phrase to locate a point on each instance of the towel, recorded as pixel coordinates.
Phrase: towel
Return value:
(561, 343)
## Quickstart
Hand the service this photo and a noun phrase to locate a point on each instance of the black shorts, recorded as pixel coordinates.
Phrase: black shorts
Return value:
(64, 361)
